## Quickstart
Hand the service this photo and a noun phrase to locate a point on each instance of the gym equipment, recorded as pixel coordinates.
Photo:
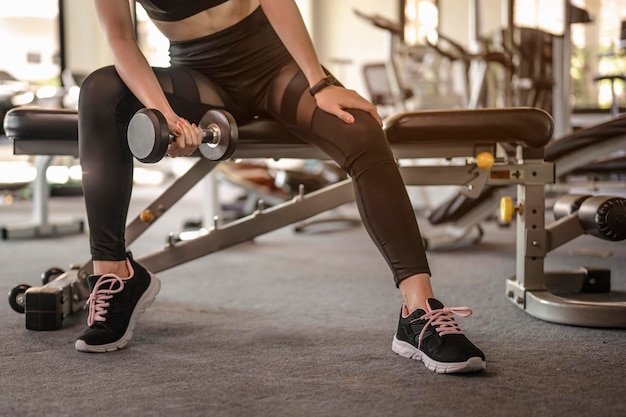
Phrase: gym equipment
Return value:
(597, 149)
(604, 217)
(568, 204)
(601, 216)
(392, 82)
(64, 122)
(148, 135)
(424, 134)
(563, 296)
(428, 134)
(47, 306)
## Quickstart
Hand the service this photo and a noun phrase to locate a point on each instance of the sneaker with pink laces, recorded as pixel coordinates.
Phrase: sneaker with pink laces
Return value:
(434, 337)
(115, 305)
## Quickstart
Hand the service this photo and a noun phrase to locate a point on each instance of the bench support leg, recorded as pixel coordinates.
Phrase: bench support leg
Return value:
(41, 226)
(579, 297)
(46, 307)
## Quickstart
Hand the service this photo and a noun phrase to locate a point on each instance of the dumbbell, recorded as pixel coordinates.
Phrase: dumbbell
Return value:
(148, 135)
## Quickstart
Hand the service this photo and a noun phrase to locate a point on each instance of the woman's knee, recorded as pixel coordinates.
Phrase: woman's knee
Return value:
(364, 142)
(105, 106)
(100, 87)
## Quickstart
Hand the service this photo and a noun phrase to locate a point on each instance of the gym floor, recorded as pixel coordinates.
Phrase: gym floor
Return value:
(301, 325)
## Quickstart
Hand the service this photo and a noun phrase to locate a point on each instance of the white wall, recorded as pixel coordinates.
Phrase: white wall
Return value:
(306, 10)
(339, 34)
(86, 48)
(457, 20)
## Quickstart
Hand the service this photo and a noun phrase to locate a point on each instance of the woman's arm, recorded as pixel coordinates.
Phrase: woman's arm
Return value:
(286, 20)
(132, 66)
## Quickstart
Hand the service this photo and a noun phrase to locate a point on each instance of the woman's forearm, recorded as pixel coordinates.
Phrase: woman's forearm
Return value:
(136, 73)
(130, 63)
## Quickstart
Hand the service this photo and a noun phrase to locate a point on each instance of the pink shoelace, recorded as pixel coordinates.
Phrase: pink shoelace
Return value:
(443, 321)
(102, 292)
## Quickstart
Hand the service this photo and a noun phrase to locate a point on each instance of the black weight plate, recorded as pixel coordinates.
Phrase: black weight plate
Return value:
(224, 145)
(148, 136)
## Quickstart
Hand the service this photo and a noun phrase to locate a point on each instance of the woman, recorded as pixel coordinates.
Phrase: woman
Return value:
(251, 57)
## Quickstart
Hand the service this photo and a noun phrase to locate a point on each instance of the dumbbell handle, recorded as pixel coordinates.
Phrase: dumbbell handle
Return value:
(210, 134)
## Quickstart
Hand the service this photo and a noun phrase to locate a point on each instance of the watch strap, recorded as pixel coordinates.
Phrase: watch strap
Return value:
(322, 84)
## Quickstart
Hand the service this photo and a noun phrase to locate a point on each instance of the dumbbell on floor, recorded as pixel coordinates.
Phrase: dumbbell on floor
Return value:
(148, 135)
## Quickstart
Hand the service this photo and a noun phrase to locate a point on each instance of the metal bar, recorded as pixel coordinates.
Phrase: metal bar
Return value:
(247, 228)
(173, 194)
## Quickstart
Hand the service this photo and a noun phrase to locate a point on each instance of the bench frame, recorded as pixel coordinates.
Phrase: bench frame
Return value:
(40, 225)
(529, 289)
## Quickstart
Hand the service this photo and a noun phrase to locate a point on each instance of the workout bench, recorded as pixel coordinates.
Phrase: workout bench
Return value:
(64, 124)
(472, 134)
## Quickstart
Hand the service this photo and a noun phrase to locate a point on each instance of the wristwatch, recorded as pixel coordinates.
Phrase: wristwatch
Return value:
(325, 82)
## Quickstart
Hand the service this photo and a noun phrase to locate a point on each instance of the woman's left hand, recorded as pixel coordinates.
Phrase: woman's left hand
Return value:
(335, 100)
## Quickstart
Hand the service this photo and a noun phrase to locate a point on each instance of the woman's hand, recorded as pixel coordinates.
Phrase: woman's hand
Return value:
(335, 100)
(187, 138)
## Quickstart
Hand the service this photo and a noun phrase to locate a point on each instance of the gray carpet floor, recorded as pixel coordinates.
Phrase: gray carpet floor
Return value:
(301, 325)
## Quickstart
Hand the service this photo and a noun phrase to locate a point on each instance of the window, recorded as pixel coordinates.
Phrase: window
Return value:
(32, 54)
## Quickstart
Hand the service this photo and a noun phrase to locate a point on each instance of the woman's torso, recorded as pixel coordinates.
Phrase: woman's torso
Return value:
(205, 22)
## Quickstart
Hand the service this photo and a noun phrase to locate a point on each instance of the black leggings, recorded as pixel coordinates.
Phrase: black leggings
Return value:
(246, 70)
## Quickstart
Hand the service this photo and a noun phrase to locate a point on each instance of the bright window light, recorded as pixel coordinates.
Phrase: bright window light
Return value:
(57, 174)
(47, 91)
(17, 173)
(421, 22)
(45, 9)
(76, 173)
(143, 176)
(23, 98)
(545, 15)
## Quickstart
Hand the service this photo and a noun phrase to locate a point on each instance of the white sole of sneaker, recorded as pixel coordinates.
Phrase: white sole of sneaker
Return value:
(407, 350)
(144, 302)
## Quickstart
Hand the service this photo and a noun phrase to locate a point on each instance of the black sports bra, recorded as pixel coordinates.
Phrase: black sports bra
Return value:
(172, 10)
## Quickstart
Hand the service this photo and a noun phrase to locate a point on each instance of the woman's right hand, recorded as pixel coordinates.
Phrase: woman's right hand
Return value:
(187, 138)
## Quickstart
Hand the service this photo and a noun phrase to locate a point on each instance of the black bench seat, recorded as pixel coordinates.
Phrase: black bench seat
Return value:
(43, 131)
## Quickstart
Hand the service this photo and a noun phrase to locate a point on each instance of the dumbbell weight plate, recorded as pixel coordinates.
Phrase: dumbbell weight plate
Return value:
(150, 136)
(224, 138)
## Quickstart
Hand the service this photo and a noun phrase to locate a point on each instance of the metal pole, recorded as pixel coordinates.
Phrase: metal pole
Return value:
(562, 57)
(62, 46)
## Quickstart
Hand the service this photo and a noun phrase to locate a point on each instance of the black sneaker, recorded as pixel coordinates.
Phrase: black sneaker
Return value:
(434, 337)
(114, 305)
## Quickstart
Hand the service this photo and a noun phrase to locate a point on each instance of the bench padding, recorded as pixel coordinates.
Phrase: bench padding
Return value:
(527, 126)
(438, 133)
